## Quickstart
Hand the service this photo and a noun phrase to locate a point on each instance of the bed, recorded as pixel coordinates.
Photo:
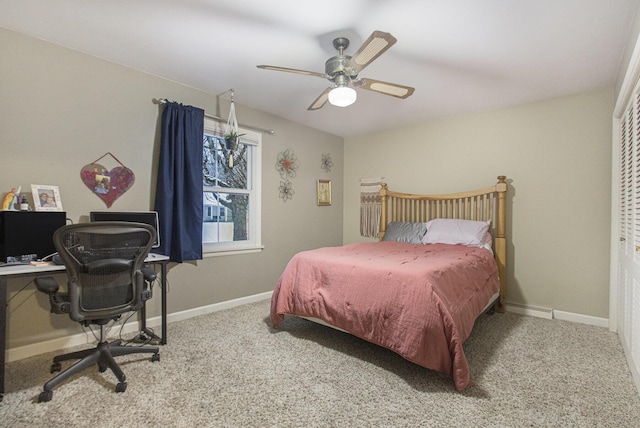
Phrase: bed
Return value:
(440, 263)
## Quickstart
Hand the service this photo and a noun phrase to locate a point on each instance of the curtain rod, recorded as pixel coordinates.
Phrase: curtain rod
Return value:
(220, 119)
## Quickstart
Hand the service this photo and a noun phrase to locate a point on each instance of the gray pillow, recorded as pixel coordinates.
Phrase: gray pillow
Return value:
(401, 231)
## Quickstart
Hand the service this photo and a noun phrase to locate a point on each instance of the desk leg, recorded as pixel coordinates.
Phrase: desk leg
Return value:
(3, 331)
(163, 292)
(145, 332)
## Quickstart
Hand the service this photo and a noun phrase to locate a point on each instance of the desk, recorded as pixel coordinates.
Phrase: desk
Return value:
(28, 270)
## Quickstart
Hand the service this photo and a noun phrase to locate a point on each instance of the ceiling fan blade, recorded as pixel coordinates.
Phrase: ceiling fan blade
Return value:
(321, 100)
(377, 43)
(386, 88)
(292, 70)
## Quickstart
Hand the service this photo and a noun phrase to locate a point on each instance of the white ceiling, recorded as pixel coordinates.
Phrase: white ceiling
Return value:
(460, 55)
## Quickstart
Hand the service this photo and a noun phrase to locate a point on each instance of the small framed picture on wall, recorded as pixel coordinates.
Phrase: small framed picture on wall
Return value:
(324, 192)
(46, 198)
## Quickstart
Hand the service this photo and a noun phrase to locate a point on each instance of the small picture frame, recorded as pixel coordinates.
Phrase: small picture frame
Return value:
(46, 198)
(102, 184)
(324, 192)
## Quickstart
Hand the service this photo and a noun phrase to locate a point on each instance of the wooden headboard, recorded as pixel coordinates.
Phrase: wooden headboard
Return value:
(487, 204)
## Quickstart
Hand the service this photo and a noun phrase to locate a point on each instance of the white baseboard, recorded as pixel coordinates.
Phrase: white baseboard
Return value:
(582, 319)
(204, 310)
(533, 311)
(57, 344)
(65, 342)
(549, 314)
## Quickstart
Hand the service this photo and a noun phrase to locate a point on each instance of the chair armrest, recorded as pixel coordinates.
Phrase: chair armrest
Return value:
(46, 284)
(59, 301)
(149, 274)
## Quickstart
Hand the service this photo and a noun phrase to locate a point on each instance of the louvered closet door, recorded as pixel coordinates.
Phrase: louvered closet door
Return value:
(629, 223)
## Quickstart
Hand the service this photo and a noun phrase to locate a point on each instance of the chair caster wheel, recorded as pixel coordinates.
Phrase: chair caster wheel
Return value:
(55, 367)
(155, 357)
(121, 387)
(45, 396)
(102, 368)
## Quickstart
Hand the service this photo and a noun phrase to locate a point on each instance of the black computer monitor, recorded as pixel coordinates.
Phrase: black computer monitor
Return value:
(147, 217)
(28, 235)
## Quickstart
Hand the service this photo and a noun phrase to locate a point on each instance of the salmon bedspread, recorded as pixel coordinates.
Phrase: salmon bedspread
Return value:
(420, 301)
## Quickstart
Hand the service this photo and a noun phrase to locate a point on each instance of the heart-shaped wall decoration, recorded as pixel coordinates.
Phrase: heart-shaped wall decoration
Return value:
(108, 185)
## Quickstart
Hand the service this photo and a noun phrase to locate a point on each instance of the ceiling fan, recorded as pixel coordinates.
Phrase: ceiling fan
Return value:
(342, 70)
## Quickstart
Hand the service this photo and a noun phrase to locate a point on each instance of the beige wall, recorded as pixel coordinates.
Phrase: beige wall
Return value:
(632, 39)
(557, 157)
(62, 110)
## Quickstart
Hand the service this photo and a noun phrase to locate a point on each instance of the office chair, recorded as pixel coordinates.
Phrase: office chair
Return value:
(105, 279)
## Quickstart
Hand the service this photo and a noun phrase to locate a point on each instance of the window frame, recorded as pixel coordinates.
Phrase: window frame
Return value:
(253, 190)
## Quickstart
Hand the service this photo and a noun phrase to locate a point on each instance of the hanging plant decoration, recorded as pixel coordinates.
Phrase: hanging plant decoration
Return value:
(287, 164)
(231, 133)
(231, 141)
(107, 184)
(286, 191)
(327, 163)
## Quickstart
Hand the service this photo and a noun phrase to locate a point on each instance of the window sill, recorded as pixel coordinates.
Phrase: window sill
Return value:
(233, 252)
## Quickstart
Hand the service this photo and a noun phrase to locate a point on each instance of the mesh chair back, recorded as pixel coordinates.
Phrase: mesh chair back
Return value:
(103, 262)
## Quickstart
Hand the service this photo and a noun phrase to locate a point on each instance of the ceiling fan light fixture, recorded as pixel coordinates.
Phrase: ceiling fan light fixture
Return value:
(342, 96)
(343, 70)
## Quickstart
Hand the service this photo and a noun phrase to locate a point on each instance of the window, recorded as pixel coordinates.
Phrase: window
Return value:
(231, 196)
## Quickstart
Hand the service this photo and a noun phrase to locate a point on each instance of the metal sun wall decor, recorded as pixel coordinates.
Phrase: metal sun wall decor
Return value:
(287, 166)
(286, 191)
(327, 163)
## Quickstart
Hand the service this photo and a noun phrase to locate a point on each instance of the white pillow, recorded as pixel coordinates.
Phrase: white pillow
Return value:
(456, 232)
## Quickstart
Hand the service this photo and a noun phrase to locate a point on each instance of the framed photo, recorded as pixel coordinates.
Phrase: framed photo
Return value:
(46, 198)
(324, 192)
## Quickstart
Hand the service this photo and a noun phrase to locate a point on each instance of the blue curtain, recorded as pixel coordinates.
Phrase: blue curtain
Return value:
(179, 187)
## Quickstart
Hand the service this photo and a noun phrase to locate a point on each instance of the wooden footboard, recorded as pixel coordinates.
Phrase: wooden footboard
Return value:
(488, 204)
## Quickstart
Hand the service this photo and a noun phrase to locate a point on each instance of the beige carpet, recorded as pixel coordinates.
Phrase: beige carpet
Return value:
(230, 369)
